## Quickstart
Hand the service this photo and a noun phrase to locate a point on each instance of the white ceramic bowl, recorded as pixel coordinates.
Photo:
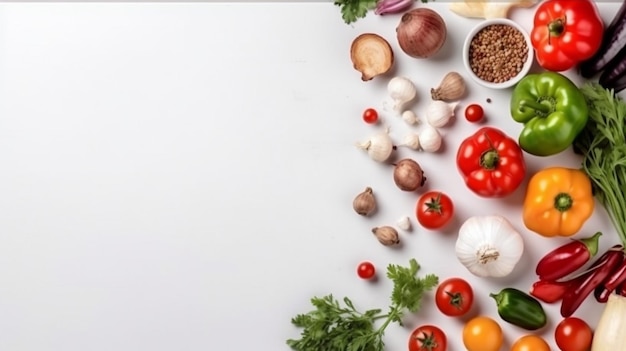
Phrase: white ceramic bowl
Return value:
(525, 68)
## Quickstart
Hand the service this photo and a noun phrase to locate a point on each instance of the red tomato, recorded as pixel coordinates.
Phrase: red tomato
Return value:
(454, 297)
(428, 338)
(370, 116)
(366, 270)
(491, 163)
(434, 210)
(573, 334)
(474, 113)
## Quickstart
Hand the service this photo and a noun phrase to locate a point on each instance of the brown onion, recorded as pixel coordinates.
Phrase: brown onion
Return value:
(421, 33)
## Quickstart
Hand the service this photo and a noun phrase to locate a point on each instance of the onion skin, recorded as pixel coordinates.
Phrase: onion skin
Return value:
(421, 33)
(609, 334)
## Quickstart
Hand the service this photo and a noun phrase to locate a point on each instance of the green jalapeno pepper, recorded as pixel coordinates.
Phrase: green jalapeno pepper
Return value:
(552, 109)
(520, 309)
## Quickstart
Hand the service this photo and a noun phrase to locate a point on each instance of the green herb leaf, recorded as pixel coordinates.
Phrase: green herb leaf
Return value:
(603, 146)
(333, 326)
(352, 10)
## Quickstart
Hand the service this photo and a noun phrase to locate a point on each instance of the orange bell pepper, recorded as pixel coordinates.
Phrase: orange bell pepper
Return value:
(558, 201)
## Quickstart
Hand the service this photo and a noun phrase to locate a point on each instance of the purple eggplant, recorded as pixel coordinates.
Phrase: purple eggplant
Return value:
(614, 39)
(614, 74)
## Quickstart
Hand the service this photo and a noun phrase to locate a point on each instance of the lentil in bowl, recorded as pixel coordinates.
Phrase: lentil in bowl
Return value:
(497, 53)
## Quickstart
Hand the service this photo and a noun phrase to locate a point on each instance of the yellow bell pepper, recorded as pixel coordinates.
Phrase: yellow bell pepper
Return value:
(558, 201)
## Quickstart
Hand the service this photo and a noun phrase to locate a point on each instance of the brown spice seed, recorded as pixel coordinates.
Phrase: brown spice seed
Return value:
(497, 53)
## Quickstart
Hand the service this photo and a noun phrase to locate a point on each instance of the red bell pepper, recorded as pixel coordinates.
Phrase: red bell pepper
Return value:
(491, 163)
(566, 259)
(565, 33)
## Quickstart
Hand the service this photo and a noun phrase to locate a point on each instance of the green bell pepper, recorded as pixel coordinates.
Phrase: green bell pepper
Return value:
(553, 111)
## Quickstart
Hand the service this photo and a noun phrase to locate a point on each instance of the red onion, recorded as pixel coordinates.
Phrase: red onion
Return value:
(421, 33)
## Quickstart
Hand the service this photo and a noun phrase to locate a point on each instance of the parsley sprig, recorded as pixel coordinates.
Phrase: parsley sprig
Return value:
(352, 10)
(603, 145)
(333, 326)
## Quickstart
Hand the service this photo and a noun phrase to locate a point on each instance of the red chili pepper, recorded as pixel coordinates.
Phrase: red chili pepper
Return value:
(615, 279)
(583, 285)
(567, 258)
(549, 291)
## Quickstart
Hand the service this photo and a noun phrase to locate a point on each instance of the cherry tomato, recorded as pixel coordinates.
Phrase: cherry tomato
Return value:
(573, 334)
(366, 270)
(434, 210)
(428, 338)
(454, 297)
(474, 113)
(370, 116)
(530, 343)
(482, 334)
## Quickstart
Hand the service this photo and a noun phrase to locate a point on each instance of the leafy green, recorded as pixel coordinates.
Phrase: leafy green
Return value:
(603, 146)
(332, 326)
(352, 10)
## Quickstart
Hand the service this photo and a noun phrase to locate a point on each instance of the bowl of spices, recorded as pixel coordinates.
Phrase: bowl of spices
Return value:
(497, 53)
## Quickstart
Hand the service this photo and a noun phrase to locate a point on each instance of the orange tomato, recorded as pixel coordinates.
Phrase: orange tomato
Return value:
(530, 343)
(482, 334)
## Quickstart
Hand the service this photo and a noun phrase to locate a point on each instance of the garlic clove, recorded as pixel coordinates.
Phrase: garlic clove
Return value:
(386, 235)
(412, 141)
(452, 87)
(365, 203)
(404, 223)
(401, 91)
(409, 117)
(430, 139)
(379, 147)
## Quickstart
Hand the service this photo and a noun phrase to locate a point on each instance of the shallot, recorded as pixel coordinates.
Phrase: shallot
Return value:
(452, 87)
(408, 175)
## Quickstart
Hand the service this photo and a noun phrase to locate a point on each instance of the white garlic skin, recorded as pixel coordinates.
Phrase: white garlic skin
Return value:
(489, 246)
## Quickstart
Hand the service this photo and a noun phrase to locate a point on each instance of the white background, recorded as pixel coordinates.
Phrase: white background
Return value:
(180, 176)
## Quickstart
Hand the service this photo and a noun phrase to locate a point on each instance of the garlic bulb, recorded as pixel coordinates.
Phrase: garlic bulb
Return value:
(452, 87)
(430, 140)
(489, 246)
(409, 117)
(401, 90)
(439, 113)
(379, 147)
